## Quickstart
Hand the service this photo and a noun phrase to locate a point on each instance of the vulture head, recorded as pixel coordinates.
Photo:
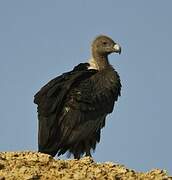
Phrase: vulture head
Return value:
(104, 45)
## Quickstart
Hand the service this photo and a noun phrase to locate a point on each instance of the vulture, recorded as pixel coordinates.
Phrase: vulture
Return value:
(72, 107)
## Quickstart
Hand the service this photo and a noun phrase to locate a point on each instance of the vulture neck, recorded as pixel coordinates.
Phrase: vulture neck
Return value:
(99, 62)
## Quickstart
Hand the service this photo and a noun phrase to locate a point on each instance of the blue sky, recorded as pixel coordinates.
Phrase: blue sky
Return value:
(41, 39)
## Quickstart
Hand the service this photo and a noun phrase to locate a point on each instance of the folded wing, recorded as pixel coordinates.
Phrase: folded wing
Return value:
(72, 110)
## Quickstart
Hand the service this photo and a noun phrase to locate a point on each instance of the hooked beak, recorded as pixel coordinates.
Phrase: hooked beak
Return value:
(117, 48)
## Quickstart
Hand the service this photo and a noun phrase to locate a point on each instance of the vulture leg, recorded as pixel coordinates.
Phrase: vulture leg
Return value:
(87, 149)
(76, 155)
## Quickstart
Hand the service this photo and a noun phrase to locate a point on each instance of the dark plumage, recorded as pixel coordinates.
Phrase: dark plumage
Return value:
(72, 107)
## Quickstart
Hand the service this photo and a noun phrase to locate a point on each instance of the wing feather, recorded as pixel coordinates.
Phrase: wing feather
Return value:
(72, 109)
(87, 106)
(50, 101)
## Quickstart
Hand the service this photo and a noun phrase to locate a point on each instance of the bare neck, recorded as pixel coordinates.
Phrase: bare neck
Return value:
(99, 62)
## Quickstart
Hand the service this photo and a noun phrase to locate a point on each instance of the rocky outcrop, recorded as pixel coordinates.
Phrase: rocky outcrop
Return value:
(35, 166)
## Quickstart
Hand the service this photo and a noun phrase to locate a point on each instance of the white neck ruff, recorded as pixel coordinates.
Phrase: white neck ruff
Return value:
(93, 64)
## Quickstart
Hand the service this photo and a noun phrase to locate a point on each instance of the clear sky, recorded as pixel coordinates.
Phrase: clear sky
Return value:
(41, 39)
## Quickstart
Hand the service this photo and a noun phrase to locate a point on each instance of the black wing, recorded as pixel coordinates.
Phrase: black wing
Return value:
(84, 112)
(50, 101)
(72, 110)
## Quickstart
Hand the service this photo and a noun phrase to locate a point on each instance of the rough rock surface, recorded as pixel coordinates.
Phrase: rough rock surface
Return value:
(33, 166)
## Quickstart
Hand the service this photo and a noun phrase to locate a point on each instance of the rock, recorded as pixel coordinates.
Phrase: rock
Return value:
(38, 166)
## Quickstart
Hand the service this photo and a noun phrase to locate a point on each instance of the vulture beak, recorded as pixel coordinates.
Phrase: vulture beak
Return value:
(117, 48)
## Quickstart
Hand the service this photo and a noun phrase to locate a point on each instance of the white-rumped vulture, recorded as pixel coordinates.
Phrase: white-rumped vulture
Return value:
(72, 107)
